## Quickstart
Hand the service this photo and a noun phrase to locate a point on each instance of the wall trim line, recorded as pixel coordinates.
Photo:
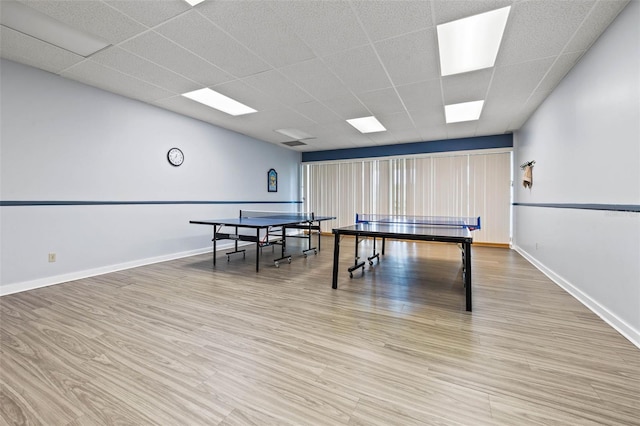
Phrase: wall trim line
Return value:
(635, 208)
(13, 203)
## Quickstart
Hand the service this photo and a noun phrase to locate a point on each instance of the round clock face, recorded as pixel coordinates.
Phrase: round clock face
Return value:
(175, 156)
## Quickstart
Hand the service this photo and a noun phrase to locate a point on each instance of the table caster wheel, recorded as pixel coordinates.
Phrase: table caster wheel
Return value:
(350, 274)
(305, 255)
(277, 264)
(371, 263)
(289, 260)
(315, 252)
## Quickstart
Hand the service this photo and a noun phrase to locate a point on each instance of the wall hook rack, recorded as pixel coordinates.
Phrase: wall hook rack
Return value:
(527, 164)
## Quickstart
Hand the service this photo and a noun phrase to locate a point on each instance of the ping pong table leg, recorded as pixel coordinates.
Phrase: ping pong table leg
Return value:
(336, 257)
(309, 237)
(467, 273)
(257, 249)
(356, 264)
(284, 240)
(215, 235)
(374, 255)
(283, 244)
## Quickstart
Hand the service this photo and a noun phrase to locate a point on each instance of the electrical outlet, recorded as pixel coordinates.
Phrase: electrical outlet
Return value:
(52, 257)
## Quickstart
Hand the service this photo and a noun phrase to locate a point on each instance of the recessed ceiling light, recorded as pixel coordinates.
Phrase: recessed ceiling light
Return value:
(218, 101)
(367, 124)
(471, 43)
(466, 111)
(194, 2)
(26, 20)
(294, 134)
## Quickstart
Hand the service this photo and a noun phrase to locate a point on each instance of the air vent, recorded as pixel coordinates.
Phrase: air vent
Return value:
(293, 143)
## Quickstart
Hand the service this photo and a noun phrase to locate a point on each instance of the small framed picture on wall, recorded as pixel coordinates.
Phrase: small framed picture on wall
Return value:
(272, 180)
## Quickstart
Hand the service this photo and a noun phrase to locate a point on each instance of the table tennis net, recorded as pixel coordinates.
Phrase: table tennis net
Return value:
(472, 223)
(293, 216)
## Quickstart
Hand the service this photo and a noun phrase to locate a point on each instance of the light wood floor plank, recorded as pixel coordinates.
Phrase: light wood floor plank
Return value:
(183, 343)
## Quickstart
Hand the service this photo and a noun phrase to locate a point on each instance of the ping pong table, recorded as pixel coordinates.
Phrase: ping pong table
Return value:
(270, 229)
(421, 228)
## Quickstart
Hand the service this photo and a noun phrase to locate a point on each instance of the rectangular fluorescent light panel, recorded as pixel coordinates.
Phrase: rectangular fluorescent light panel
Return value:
(367, 124)
(471, 43)
(294, 134)
(218, 101)
(33, 23)
(466, 111)
(194, 2)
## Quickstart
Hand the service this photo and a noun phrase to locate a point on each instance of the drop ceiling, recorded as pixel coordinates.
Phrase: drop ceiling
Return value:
(311, 65)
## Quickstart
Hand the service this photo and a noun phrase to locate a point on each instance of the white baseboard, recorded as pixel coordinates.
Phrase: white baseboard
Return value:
(622, 327)
(58, 279)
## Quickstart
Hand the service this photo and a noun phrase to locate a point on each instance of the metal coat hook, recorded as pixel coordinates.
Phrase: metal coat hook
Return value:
(527, 164)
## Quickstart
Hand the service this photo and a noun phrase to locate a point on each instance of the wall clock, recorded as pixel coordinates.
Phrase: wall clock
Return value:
(175, 157)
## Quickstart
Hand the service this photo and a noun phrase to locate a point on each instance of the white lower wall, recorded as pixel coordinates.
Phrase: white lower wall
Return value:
(585, 139)
(63, 141)
(594, 255)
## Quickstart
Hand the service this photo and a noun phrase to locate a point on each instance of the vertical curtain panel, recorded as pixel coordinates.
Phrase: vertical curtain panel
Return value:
(453, 185)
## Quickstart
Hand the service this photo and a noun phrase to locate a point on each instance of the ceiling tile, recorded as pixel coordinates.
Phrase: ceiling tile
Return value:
(514, 83)
(410, 58)
(347, 106)
(452, 10)
(600, 17)
(430, 116)
(316, 112)
(422, 95)
(144, 70)
(93, 17)
(558, 70)
(268, 121)
(27, 50)
(400, 128)
(329, 130)
(470, 86)
(198, 35)
(162, 51)
(94, 74)
(316, 79)
(384, 19)
(255, 25)
(150, 13)
(408, 135)
(538, 29)
(381, 138)
(433, 133)
(381, 102)
(278, 86)
(461, 130)
(359, 69)
(325, 26)
(491, 127)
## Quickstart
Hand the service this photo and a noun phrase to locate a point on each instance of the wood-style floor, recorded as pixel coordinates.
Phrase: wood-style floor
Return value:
(179, 343)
